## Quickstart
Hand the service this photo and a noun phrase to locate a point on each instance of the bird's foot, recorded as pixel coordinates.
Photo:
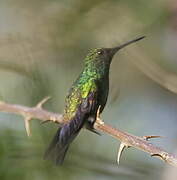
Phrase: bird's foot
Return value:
(98, 112)
(98, 119)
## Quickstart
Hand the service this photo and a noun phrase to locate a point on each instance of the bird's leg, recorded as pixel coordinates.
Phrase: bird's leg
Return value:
(98, 119)
(94, 119)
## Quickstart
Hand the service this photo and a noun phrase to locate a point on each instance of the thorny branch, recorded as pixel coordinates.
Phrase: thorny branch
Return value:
(126, 139)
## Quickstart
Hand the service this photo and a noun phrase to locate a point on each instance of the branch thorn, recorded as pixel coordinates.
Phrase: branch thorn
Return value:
(27, 126)
(121, 149)
(42, 102)
(163, 156)
(151, 137)
(46, 121)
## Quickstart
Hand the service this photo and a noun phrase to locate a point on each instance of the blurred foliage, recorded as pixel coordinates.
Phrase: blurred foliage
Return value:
(43, 43)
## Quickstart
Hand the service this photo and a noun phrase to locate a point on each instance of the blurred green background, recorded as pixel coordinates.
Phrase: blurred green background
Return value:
(42, 47)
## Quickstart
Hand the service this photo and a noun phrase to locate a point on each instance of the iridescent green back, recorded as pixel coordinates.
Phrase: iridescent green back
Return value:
(85, 84)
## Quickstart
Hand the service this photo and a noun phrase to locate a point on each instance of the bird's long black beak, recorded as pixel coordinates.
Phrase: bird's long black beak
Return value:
(114, 50)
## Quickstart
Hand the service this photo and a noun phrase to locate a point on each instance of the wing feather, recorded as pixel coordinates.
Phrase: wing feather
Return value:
(83, 107)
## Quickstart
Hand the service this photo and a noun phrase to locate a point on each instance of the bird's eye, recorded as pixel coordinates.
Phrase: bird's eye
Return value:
(100, 52)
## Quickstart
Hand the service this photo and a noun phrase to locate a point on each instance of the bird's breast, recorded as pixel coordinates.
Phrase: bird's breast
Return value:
(103, 91)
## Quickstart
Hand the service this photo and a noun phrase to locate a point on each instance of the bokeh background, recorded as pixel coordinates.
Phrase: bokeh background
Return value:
(42, 47)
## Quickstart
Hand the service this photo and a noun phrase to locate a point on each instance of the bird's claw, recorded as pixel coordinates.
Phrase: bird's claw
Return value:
(98, 119)
(98, 112)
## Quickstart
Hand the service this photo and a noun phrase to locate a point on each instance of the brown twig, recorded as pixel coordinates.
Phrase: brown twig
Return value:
(126, 139)
(137, 142)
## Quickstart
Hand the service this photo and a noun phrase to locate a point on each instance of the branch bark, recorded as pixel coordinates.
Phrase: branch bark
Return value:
(126, 139)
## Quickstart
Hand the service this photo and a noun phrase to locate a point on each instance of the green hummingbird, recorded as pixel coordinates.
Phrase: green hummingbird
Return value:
(88, 93)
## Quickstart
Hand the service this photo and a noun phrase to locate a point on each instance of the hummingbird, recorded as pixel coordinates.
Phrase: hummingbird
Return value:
(87, 94)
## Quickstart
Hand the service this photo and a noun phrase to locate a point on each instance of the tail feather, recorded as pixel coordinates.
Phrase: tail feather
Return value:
(60, 157)
(62, 139)
(56, 150)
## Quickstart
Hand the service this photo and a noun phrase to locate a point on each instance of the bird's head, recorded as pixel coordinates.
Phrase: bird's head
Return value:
(104, 55)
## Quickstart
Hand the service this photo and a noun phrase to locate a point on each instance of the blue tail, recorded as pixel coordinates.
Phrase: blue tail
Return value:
(62, 139)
